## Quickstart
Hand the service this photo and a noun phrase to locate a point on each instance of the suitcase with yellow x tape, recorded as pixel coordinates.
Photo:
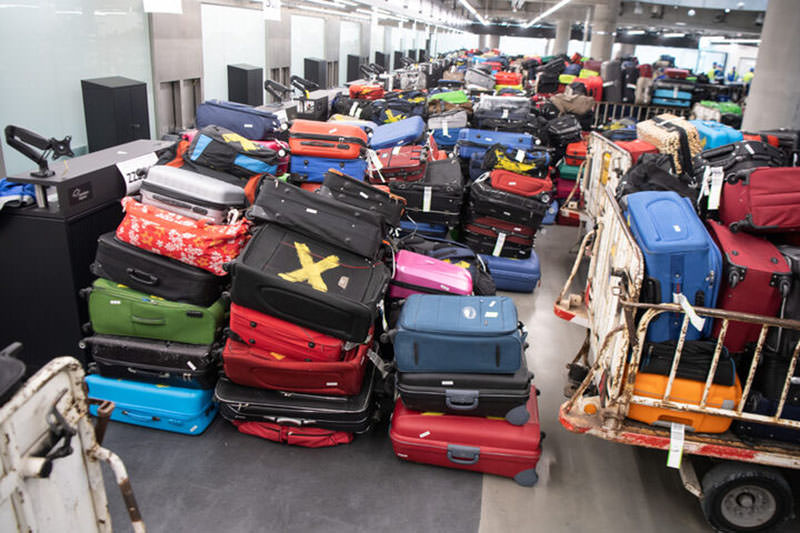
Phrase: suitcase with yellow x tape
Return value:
(309, 282)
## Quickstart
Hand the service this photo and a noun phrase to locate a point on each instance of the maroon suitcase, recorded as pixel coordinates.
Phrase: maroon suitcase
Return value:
(481, 444)
(305, 436)
(405, 163)
(762, 200)
(755, 279)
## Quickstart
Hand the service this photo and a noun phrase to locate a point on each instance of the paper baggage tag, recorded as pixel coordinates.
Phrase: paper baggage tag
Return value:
(717, 178)
(677, 433)
(375, 160)
(694, 319)
(282, 116)
(749, 149)
(498, 245)
(674, 92)
(426, 199)
(505, 113)
(445, 129)
(520, 156)
(395, 150)
(353, 109)
(134, 170)
(379, 363)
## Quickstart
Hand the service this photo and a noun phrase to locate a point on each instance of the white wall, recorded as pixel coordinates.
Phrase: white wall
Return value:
(48, 47)
(684, 57)
(349, 44)
(308, 40)
(514, 45)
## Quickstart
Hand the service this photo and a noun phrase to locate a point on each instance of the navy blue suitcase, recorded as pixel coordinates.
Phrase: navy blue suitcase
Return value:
(475, 166)
(400, 133)
(432, 230)
(313, 169)
(762, 405)
(514, 275)
(175, 409)
(243, 119)
(461, 334)
(680, 257)
(471, 141)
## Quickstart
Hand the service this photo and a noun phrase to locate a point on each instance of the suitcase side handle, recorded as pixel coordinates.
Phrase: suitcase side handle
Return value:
(461, 399)
(144, 321)
(142, 277)
(463, 455)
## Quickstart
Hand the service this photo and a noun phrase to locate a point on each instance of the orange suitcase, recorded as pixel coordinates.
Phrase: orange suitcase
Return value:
(326, 139)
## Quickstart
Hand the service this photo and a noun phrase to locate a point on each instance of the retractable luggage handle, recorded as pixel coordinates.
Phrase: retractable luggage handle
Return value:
(303, 85)
(278, 90)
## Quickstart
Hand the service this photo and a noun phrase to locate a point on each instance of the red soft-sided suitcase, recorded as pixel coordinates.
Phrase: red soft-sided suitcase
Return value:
(636, 148)
(366, 92)
(479, 444)
(253, 368)
(404, 163)
(762, 200)
(283, 339)
(594, 86)
(305, 436)
(576, 153)
(755, 279)
(564, 187)
(508, 78)
(593, 64)
(646, 70)
(520, 184)
(326, 139)
(676, 73)
(771, 140)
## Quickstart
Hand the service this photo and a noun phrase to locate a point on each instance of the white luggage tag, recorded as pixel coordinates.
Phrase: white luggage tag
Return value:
(677, 433)
(717, 178)
(426, 199)
(498, 245)
(372, 155)
(505, 113)
(694, 319)
(520, 156)
(445, 129)
(379, 363)
(396, 150)
(675, 92)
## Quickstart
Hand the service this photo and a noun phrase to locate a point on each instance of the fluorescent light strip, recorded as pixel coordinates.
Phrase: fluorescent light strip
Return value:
(475, 13)
(671, 35)
(332, 12)
(635, 32)
(547, 13)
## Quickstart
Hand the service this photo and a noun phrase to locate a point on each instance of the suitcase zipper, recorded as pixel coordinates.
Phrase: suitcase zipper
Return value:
(329, 138)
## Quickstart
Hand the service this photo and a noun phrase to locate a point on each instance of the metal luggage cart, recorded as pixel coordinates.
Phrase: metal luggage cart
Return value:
(744, 489)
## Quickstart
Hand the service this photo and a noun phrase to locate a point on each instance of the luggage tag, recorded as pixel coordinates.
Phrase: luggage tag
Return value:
(505, 113)
(520, 157)
(445, 130)
(379, 363)
(426, 199)
(677, 433)
(694, 319)
(717, 178)
(498, 245)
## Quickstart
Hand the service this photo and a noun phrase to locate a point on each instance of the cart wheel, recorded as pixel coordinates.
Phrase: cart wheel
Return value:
(743, 497)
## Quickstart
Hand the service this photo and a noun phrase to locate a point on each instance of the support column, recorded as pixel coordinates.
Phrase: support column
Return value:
(774, 101)
(627, 49)
(492, 41)
(604, 24)
(563, 30)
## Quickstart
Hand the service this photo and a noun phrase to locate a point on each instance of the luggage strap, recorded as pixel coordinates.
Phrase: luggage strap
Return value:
(683, 138)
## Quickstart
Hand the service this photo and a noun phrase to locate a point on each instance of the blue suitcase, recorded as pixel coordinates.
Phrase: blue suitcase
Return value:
(714, 134)
(759, 404)
(400, 133)
(432, 230)
(475, 166)
(472, 141)
(243, 119)
(514, 275)
(551, 214)
(313, 169)
(437, 333)
(175, 409)
(446, 141)
(671, 102)
(680, 257)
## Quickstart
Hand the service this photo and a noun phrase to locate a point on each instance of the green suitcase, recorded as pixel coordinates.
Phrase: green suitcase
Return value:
(451, 97)
(116, 309)
(568, 172)
(723, 107)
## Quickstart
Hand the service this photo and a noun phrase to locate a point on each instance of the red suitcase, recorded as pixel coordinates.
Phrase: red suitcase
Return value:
(326, 139)
(636, 148)
(771, 140)
(493, 227)
(480, 444)
(676, 73)
(593, 64)
(762, 200)
(755, 279)
(401, 163)
(505, 180)
(594, 86)
(366, 92)
(494, 65)
(576, 153)
(283, 339)
(308, 437)
(564, 187)
(508, 78)
(253, 368)
(646, 70)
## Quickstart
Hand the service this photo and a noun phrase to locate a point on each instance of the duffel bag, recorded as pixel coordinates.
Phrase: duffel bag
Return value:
(225, 151)
(243, 119)
(530, 162)
(305, 436)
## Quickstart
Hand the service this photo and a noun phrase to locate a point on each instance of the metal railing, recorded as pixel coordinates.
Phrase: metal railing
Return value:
(605, 111)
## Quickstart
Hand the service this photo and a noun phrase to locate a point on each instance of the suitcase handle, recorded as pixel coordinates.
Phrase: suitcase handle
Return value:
(461, 399)
(463, 455)
(149, 373)
(142, 277)
(148, 321)
(141, 418)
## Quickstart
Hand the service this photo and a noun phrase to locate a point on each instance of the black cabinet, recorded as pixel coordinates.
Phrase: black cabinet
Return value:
(353, 64)
(398, 59)
(412, 54)
(246, 84)
(383, 60)
(316, 70)
(115, 109)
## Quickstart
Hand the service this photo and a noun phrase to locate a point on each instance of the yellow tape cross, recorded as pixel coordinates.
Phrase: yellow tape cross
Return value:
(309, 270)
(247, 144)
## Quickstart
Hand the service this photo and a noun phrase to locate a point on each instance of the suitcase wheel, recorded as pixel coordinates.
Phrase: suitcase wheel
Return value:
(527, 478)
(519, 415)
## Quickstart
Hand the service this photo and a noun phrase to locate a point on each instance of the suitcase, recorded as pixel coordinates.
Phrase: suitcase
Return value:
(194, 366)
(252, 367)
(437, 197)
(674, 136)
(758, 404)
(489, 239)
(630, 75)
(191, 194)
(498, 395)
(400, 133)
(479, 444)
(521, 185)
(433, 230)
(611, 72)
(366, 92)
(452, 119)
(224, 151)
(788, 142)
(472, 141)
(713, 134)
(514, 275)
(367, 125)
(576, 153)
(772, 373)
(593, 84)
(695, 363)
(154, 274)
(547, 82)
(289, 433)
(502, 107)
(513, 208)
(508, 78)
(551, 214)
(643, 92)
(478, 79)
(313, 169)
(446, 138)
(405, 163)
(316, 215)
(460, 334)
(419, 274)
(326, 139)
(780, 339)
(190, 241)
(646, 70)
(676, 73)
(175, 409)
(338, 413)
(12, 372)
(118, 310)
(652, 173)
(736, 157)
(762, 200)
(755, 279)
(636, 148)
(534, 163)
(305, 281)
(680, 257)
(243, 119)
(567, 172)
(354, 108)
(564, 130)
(351, 191)
(476, 164)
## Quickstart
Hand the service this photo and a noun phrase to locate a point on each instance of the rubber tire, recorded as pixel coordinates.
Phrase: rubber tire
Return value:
(724, 476)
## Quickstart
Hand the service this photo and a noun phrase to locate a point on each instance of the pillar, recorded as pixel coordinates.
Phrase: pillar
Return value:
(604, 24)
(563, 30)
(489, 40)
(774, 101)
(627, 50)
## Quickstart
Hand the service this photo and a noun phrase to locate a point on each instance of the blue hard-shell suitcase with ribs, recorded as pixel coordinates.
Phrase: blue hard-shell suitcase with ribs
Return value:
(514, 275)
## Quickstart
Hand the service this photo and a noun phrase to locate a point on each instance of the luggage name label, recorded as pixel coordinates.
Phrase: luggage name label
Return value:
(310, 271)
(498, 245)
(677, 433)
(426, 199)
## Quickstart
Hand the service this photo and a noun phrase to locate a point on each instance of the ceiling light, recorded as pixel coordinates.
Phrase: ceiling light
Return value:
(547, 13)
(635, 32)
(672, 35)
(692, 12)
(475, 13)
(332, 12)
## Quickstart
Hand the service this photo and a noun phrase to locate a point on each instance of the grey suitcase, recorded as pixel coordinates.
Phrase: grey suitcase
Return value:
(478, 79)
(611, 72)
(191, 194)
(455, 118)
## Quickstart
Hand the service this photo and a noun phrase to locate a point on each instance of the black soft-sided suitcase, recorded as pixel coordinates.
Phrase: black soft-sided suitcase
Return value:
(155, 274)
(761, 405)
(361, 194)
(437, 197)
(564, 130)
(192, 366)
(484, 239)
(737, 156)
(339, 413)
(485, 200)
(293, 277)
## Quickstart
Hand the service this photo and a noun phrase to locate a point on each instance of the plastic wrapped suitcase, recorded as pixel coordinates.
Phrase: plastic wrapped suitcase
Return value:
(478, 444)
(313, 169)
(472, 141)
(311, 283)
(674, 136)
(115, 309)
(521, 210)
(514, 275)
(713, 134)
(437, 197)
(326, 139)
(419, 274)
(680, 257)
(400, 133)
(175, 409)
(478, 79)
(405, 163)
(355, 192)
(339, 413)
(243, 119)
(500, 395)
(452, 119)
(194, 366)
(761, 200)
(636, 148)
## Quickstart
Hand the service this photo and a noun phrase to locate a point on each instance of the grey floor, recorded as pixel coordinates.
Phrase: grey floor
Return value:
(224, 481)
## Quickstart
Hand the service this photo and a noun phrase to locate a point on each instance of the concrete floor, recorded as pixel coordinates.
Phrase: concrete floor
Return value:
(224, 481)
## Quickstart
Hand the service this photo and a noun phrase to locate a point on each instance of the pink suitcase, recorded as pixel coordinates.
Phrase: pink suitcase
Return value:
(417, 273)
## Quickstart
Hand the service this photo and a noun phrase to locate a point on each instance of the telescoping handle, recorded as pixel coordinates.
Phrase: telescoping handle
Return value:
(303, 84)
(278, 90)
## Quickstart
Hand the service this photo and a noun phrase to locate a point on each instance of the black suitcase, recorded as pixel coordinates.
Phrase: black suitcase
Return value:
(352, 107)
(564, 130)
(503, 395)
(12, 371)
(782, 340)
(484, 240)
(789, 142)
(653, 173)
(757, 403)
(737, 156)
(155, 274)
(437, 197)
(771, 376)
(528, 211)
(546, 82)
(695, 363)
(192, 366)
(361, 194)
(309, 282)
(317, 215)
(339, 413)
